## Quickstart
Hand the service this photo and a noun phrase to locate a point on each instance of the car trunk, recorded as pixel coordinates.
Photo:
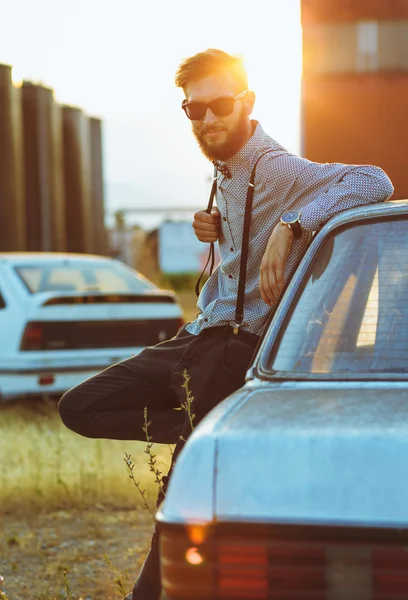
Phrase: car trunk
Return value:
(325, 454)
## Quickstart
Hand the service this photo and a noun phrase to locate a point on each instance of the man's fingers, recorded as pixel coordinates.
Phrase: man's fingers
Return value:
(280, 278)
(204, 227)
(273, 264)
(273, 292)
(262, 289)
(267, 284)
(204, 217)
(207, 238)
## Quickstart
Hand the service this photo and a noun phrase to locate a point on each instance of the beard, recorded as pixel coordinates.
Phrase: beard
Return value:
(236, 139)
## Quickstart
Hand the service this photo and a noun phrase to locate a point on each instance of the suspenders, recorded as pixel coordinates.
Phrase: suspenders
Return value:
(239, 309)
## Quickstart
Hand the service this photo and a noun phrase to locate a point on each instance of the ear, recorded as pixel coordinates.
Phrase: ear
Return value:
(249, 102)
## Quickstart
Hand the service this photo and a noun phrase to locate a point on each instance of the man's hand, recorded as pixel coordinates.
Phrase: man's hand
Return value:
(273, 264)
(207, 226)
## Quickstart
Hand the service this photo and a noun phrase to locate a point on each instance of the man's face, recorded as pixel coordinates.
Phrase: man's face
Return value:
(219, 137)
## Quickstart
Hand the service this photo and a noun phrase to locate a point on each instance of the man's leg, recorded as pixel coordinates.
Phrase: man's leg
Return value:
(216, 366)
(111, 404)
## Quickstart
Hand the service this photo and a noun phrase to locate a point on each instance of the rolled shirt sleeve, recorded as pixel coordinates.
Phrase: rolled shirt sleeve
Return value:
(347, 186)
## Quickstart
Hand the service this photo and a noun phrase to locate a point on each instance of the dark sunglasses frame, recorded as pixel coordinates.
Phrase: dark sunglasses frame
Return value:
(221, 107)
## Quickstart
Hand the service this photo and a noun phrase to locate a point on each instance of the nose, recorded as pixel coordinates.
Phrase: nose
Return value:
(209, 117)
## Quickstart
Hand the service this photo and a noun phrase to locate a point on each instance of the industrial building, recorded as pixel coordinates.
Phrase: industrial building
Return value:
(355, 84)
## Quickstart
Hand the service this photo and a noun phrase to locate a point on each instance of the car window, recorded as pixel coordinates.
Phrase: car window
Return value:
(82, 278)
(351, 313)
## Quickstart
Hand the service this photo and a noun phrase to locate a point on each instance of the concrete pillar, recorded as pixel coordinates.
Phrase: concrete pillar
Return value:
(77, 180)
(12, 217)
(100, 240)
(44, 195)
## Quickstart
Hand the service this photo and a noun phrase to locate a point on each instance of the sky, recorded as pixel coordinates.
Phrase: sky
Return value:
(117, 60)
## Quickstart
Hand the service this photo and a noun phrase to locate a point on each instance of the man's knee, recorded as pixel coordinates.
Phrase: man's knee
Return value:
(72, 411)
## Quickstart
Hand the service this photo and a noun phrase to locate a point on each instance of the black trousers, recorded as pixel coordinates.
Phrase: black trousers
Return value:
(111, 404)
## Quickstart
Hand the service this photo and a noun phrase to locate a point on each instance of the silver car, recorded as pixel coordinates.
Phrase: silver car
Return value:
(296, 486)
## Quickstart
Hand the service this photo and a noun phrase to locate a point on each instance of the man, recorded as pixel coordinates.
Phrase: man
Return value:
(213, 349)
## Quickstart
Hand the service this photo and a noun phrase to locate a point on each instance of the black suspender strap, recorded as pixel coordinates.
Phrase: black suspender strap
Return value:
(212, 252)
(239, 309)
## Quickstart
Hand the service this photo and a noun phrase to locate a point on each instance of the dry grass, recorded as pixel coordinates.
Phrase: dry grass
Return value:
(44, 465)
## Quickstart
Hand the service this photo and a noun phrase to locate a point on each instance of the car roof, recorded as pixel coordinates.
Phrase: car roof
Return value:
(379, 209)
(35, 257)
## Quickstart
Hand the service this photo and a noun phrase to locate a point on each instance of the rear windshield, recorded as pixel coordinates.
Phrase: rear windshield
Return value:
(351, 316)
(74, 277)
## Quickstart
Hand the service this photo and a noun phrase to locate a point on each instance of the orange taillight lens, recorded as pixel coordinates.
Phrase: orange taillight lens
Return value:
(187, 570)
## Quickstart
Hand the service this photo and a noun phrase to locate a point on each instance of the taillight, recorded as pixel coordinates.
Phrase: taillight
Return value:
(33, 337)
(187, 570)
(244, 568)
(251, 569)
(390, 573)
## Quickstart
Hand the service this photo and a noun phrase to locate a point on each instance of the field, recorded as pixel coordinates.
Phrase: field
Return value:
(67, 504)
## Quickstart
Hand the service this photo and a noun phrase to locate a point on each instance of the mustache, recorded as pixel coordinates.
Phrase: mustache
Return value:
(211, 129)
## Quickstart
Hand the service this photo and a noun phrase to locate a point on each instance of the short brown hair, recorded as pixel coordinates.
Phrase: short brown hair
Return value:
(210, 62)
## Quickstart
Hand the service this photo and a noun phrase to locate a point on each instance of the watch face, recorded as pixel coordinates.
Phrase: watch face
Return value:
(291, 217)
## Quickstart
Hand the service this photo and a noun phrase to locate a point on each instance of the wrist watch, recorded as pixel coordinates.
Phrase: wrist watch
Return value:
(292, 220)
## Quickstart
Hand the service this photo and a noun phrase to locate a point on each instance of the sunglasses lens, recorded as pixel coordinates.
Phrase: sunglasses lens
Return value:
(195, 110)
(222, 107)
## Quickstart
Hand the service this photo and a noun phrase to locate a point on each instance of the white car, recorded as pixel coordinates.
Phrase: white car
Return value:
(64, 317)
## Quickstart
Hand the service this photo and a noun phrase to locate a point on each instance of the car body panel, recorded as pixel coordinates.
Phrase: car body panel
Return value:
(298, 452)
(190, 495)
(315, 455)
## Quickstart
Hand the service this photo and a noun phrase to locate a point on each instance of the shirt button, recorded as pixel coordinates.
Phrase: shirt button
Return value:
(232, 249)
(206, 320)
(225, 219)
(230, 276)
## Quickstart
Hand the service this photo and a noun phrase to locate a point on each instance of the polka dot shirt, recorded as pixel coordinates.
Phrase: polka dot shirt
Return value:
(283, 182)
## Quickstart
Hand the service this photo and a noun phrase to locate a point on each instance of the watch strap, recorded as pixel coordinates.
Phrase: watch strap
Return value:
(296, 228)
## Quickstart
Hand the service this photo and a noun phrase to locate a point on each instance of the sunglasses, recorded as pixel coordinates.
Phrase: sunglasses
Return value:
(221, 107)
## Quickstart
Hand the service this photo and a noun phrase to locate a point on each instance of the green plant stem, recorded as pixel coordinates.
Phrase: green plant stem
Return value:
(152, 457)
(131, 465)
(66, 584)
(187, 405)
